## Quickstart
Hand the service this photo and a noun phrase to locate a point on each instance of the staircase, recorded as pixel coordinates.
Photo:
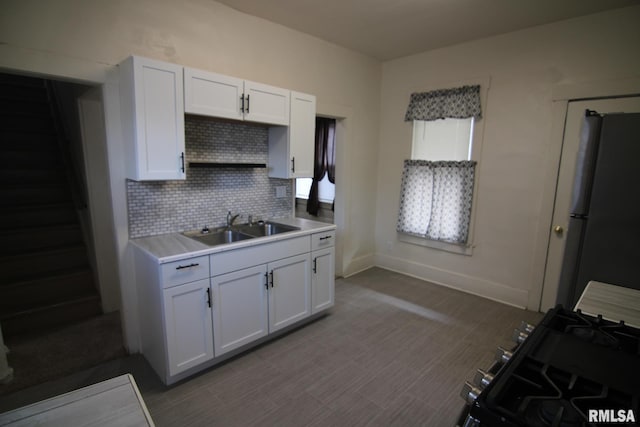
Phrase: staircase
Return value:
(45, 277)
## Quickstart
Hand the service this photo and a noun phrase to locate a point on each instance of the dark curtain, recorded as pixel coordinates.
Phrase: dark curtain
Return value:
(325, 160)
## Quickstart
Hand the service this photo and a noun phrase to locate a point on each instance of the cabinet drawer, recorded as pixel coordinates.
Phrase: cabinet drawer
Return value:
(185, 271)
(238, 259)
(323, 240)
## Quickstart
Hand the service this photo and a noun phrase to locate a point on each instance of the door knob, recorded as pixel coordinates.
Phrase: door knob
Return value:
(558, 229)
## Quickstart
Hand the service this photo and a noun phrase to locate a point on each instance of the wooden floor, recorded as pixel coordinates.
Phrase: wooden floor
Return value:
(394, 351)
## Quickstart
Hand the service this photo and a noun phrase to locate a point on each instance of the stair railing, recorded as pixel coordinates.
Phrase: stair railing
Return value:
(72, 170)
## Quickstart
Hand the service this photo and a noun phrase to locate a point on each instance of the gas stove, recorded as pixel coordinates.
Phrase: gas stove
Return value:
(570, 370)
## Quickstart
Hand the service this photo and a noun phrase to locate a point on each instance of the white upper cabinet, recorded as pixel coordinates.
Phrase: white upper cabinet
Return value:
(266, 104)
(291, 149)
(217, 95)
(152, 106)
(210, 94)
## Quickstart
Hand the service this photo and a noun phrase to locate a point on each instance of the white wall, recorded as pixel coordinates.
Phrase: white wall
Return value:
(82, 40)
(524, 68)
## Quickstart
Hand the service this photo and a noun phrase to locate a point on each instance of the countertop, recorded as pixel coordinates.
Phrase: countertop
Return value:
(613, 302)
(115, 402)
(175, 246)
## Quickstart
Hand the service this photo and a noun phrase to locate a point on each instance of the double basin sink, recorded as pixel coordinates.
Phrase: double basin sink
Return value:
(236, 233)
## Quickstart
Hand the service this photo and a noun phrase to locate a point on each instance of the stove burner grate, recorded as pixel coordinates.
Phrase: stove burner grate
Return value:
(600, 332)
(552, 412)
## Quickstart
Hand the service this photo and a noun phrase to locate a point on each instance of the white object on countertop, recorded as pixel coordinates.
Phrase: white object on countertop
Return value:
(113, 402)
(6, 373)
(613, 302)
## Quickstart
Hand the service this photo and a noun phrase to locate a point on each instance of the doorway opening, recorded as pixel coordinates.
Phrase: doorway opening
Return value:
(315, 197)
(556, 250)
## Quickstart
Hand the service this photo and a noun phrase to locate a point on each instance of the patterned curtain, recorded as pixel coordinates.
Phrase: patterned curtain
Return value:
(435, 199)
(457, 103)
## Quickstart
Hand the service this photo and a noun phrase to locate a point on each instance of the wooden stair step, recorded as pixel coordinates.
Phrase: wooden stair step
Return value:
(18, 140)
(50, 290)
(32, 196)
(25, 107)
(29, 177)
(26, 123)
(32, 266)
(34, 238)
(41, 159)
(41, 215)
(42, 319)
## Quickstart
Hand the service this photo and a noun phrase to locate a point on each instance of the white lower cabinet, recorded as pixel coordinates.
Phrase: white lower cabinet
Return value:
(239, 308)
(195, 310)
(289, 291)
(323, 270)
(322, 279)
(253, 302)
(188, 325)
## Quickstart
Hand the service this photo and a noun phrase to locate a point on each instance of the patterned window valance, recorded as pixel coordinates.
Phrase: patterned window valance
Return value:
(457, 103)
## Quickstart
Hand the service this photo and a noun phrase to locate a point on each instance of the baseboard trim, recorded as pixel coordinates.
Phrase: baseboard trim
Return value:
(358, 265)
(483, 288)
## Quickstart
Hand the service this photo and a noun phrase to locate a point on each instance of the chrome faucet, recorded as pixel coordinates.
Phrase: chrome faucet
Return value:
(231, 218)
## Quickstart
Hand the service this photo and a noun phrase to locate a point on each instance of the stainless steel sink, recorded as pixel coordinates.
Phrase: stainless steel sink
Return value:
(217, 236)
(222, 235)
(265, 229)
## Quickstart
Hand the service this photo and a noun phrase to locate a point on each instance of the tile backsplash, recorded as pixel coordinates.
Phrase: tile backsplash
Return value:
(205, 197)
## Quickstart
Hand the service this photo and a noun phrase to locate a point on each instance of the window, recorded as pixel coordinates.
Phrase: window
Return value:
(446, 139)
(437, 182)
(326, 189)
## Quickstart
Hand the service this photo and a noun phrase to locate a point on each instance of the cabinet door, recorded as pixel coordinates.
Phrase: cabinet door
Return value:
(153, 118)
(239, 308)
(187, 317)
(302, 134)
(322, 279)
(266, 104)
(211, 94)
(289, 291)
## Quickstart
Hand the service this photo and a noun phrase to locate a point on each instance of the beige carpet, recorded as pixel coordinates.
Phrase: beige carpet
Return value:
(38, 359)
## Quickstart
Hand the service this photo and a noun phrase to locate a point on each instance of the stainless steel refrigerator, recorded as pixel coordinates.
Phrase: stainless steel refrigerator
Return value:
(603, 240)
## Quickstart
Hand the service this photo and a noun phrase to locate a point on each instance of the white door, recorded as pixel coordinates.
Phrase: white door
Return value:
(322, 279)
(211, 94)
(266, 104)
(302, 133)
(560, 224)
(289, 291)
(188, 325)
(239, 308)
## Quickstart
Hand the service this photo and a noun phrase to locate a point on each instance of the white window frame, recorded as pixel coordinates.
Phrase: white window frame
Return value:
(476, 151)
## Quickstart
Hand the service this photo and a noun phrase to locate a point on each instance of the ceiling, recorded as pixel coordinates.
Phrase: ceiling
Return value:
(388, 29)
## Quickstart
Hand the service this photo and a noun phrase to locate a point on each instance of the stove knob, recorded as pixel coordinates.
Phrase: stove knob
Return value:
(526, 327)
(469, 392)
(503, 355)
(519, 336)
(482, 379)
